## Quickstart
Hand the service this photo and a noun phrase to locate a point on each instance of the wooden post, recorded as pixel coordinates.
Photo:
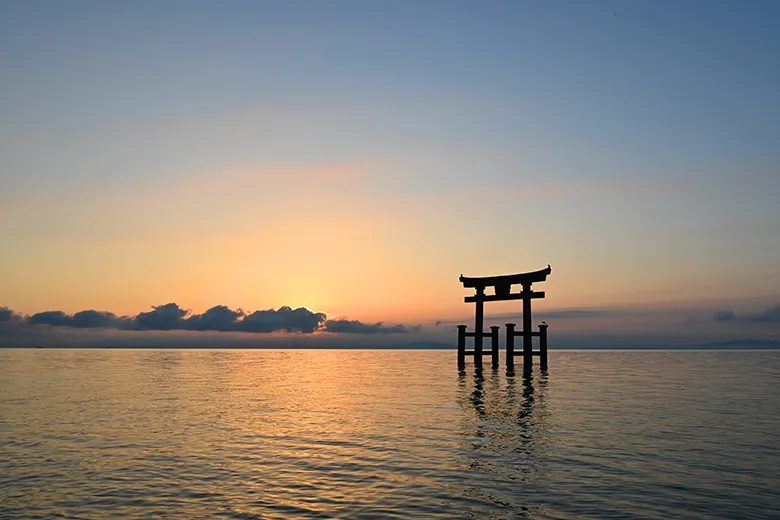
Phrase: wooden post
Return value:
(510, 346)
(527, 338)
(494, 345)
(461, 346)
(479, 319)
(543, 346)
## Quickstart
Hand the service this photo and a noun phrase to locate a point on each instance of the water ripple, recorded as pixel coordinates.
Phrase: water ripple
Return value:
(376, 434)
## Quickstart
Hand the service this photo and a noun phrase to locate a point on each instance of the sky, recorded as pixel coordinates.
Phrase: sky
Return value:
(354, 158)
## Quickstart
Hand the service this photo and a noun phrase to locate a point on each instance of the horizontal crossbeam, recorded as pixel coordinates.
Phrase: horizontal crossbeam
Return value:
(500, 298)
(474, 334)
(488, 352)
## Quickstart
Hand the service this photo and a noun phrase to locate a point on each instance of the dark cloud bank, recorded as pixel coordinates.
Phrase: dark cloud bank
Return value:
(219, 318)
(171, 326)
(770, 315)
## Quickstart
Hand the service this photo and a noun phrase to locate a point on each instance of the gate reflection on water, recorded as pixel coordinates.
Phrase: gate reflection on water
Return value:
(505, 435)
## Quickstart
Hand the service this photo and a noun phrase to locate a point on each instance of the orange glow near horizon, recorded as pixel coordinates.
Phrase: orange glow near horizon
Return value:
(326, 240)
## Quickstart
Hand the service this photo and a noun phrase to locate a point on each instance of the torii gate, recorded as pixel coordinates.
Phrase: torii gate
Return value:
(502, 291)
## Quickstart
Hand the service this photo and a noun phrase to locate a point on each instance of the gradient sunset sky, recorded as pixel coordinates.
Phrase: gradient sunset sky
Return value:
(356, 157)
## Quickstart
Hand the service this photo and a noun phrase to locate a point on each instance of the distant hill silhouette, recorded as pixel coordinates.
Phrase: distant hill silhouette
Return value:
(743, 343)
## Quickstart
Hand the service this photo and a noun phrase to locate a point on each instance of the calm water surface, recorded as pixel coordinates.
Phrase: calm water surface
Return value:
(378, 434)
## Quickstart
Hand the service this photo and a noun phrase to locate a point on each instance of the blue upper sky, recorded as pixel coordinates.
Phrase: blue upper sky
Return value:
(259, 154)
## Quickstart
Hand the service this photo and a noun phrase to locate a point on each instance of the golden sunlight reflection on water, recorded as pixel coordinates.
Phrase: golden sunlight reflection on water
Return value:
(385, 434)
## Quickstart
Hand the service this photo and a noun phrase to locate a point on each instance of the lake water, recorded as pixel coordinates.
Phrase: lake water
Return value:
(387, 434)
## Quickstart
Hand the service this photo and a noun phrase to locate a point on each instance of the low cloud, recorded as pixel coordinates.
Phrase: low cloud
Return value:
(95, 319)
(726, 315)
(344, 326)
(89, 319)
(285, 319)
(770, 315)
(52, 318)
(561, 314)
(6, 314)
(164, 317)
(221, 318)
(564, 314)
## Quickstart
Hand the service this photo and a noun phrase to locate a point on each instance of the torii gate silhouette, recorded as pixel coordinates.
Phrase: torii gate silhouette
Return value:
(503, 291)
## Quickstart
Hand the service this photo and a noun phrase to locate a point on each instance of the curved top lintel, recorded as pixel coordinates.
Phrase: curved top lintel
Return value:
(506, 279)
